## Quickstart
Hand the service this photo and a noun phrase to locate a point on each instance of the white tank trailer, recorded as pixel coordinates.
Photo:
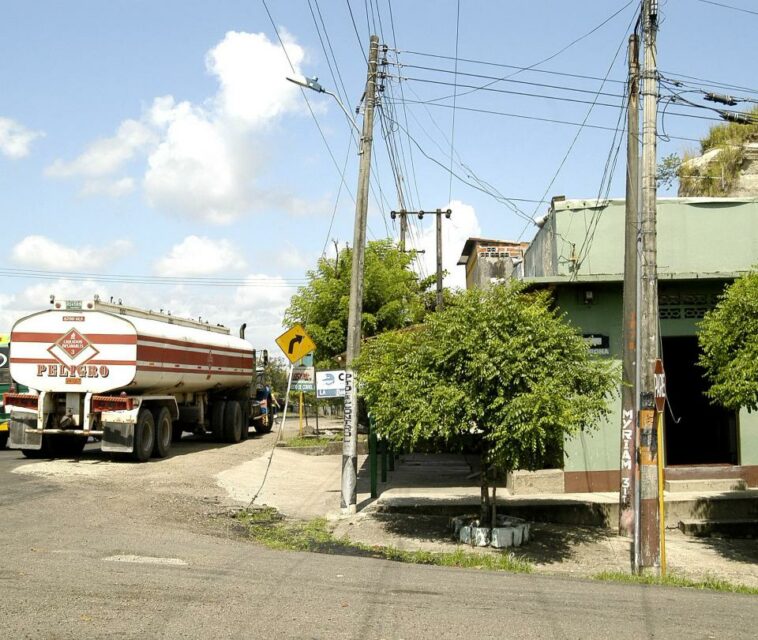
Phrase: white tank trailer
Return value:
(133, 379)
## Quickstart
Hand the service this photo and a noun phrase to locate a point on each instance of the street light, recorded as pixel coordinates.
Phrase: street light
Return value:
(350, 431)
(313, 85)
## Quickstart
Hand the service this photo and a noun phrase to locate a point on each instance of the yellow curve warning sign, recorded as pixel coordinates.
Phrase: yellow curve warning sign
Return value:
(295, 343)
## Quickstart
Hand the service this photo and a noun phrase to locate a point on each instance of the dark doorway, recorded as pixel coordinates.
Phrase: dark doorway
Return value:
(705, 433)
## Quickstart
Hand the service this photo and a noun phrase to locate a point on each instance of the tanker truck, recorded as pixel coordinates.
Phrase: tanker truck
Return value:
(132, 379)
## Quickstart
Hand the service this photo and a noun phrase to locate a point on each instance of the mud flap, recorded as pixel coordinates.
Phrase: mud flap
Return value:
(118, 437)
(20, 436)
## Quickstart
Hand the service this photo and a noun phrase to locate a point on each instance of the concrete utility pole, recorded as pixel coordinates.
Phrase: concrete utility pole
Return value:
(350, 431)
(629, 391)
(648, 346)
(404, 225)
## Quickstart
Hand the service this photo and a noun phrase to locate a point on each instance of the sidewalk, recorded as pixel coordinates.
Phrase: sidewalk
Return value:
(413, 508)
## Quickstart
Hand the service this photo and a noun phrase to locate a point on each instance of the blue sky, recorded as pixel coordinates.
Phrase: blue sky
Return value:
(160, 139)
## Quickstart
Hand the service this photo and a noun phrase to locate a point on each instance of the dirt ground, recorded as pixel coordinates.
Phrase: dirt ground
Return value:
(564, 549)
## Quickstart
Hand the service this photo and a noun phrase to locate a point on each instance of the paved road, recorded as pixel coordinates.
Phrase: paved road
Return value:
(100, 549)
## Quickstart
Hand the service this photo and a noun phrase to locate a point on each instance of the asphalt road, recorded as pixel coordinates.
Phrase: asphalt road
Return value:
(100, 549)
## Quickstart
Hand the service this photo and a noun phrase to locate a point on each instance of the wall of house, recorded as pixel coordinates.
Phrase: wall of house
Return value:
(591, 458)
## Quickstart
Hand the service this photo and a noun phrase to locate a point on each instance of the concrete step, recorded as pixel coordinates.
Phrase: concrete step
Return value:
(726, 528)
(717, 484)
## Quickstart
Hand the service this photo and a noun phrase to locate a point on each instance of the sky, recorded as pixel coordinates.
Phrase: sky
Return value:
(154, 152)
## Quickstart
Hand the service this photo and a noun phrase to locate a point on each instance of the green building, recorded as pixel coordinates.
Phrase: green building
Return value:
(703, 245)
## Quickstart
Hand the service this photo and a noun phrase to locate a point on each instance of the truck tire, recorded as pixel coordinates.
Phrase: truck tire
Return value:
(3, 439)
(217, 420)
(163, 428)
(45, 452)
(144, 436)
(245, 420)
(266, 423)
(233, 422)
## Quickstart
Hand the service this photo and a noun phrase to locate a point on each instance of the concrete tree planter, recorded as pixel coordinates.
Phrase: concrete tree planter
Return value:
(508, 532)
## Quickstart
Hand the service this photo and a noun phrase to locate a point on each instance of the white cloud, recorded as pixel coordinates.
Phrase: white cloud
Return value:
(203, 160)
(15, 139)
(462, 225)
(198, 256)
(251, 71)
(108, 187)
(107, 155)
(41, 252)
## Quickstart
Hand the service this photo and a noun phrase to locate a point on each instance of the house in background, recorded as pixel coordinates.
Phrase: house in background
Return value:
(490, 260)
(703, 245)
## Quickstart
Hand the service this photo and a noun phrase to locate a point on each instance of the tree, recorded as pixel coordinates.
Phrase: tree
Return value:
(729, 345)
(392, 297)
(498, 371)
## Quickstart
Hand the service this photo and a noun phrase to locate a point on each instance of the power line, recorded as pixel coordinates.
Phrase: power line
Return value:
(195, 281)
(455, 96)
(530, 69)
(524, 82)
(586, 117)
(536, 118)
(728, 6)
(554, 55)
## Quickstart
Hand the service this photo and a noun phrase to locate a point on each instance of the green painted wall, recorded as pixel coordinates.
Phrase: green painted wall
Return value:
(694, 235)
(598, 449)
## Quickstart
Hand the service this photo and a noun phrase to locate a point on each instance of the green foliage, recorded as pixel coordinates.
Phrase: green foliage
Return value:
(729, 343)
(717, 178)
(710, 583)
(712, 179)
(270, 528)
(275, 374)
(392, 298)
(498, 370)
(730, 133)
(668, 170)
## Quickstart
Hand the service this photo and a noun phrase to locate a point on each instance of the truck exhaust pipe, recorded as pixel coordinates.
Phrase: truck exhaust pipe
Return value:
(242, 330)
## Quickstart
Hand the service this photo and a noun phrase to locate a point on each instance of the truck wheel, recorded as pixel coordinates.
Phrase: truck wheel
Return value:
(265, 424)
(144, 437)
(217, 420)
(233, 422)
(245, 420)
(163, 427)
(3, 439)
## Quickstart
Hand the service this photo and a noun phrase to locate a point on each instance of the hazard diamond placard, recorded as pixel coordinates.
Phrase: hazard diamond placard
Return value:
(295, 343)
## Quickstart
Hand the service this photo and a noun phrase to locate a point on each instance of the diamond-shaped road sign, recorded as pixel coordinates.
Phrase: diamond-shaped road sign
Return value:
(295, 343)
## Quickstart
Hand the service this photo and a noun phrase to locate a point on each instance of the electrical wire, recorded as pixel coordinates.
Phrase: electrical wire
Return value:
(455, 96)
(554, 55)
(728, 6)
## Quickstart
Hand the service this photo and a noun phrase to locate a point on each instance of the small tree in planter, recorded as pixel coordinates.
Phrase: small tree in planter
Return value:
(498, 371)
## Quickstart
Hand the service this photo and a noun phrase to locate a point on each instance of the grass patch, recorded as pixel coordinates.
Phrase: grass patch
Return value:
(709, 583)
(270, 528)
(301, 443)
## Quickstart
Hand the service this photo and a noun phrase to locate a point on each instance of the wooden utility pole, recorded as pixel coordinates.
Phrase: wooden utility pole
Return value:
(440, 302)
(629, 391)
(648, 346)
(350, 430)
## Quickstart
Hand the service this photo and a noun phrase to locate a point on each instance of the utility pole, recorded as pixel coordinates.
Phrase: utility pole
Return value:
(648, 345)
(350, 430)
(403, 226)
(629, 391)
